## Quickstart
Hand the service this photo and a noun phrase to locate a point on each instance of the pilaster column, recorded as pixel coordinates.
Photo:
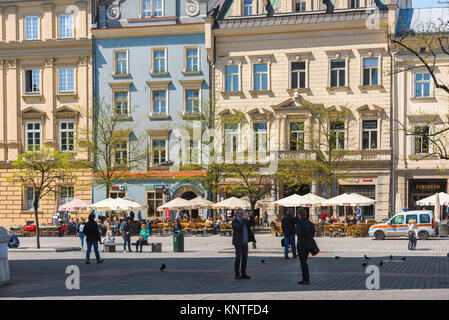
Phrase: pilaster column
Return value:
(314, 190)
(283, 133)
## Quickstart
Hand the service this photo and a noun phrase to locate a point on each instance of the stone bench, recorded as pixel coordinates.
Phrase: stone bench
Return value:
(110, 247)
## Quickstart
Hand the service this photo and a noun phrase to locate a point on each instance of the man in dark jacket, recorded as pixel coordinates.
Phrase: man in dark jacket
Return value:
(126, 235)
(289, 230)
(93, 237)
(305, 231)
(241, 235)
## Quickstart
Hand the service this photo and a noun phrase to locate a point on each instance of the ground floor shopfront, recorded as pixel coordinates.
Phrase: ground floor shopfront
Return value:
(153, 192)
(16, 201)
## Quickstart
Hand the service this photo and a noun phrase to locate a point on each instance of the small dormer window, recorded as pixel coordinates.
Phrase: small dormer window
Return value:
(354, 4)
(300, 5)
(248, 7)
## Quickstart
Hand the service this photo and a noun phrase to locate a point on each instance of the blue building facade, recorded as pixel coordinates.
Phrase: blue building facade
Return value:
(151, 69)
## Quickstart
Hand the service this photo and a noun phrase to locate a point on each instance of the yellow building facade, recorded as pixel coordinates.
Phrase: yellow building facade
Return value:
(46, 93)
(265, 65)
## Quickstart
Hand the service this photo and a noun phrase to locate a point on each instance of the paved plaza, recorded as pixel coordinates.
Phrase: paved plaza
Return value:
(205, 271)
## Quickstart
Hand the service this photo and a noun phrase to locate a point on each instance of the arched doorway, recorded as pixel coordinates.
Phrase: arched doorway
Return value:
(188, 195)
(188, 192)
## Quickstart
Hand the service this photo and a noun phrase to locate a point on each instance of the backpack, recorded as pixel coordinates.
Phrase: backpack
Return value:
(308, 230)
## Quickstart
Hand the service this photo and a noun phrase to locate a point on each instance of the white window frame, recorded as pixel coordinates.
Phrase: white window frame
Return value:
(153, 113)
(303, 5)
(114, 102)
(26, 194)
(59, 80)
(238, 89)
(61, 131)
(338, 73)
(153, 60)
(338, 132)
(233, 136)
(186, 101)
(357, 4)
(186, 60)
(126, 60)
(413, 137)
(377, 130)
(257, 148)
(34, 36)
(422, 82)
(67, 195)
(152, 140)
(290, 133)
(33, 131)
(152, 10)
(379, 73)
(32, 82)
(121, 150)
(249, 6)
(306, 71)
(71, 30)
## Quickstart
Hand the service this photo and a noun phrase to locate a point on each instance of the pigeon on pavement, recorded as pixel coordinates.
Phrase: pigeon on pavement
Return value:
(367, 258)
(163, 267)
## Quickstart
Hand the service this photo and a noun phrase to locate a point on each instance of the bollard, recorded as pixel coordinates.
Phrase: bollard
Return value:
(4, 265)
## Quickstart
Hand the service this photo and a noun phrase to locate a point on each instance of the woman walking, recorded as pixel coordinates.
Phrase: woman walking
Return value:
(143, 236)
(80, 232)
(411, 231)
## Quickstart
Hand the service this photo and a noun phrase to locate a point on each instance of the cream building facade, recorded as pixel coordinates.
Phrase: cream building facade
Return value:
(419, 106)
(46, 91)
(266, 66)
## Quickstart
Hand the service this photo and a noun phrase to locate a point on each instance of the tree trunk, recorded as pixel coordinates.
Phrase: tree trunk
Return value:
(36, 209)
(252, 228)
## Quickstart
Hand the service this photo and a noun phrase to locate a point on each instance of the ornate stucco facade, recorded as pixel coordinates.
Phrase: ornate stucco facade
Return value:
(46, 85)
(256, 55)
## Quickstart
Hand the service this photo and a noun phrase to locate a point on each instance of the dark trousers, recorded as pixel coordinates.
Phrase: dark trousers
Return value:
(303, 254)
(412, 243)
(241, 258)
(127, 241)
(89, 248)
(140, 243)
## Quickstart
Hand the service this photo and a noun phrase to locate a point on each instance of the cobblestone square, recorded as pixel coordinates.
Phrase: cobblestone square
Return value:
(205, 271)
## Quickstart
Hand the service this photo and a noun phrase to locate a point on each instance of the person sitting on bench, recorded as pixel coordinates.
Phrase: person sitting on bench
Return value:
(110, 237)
(143, 236)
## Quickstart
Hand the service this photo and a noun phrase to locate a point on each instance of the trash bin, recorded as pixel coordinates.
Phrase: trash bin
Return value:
(4, 265)
(443, 228)
(178, 241)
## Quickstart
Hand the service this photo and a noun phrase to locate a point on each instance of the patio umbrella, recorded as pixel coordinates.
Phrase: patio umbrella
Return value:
(399, 206)
(231, 203)
(430, 201)
(200, 203)
(117, 204)
(175, 204)
(74, 205)
(295, 200)
(259, 204)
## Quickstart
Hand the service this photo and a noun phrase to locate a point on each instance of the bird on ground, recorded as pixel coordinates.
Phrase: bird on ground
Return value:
(337, 257)
(367, 258)
(403, 259)
(391, 257)
(364, 264)
(381, 263)
(163, 267)
(262, 261)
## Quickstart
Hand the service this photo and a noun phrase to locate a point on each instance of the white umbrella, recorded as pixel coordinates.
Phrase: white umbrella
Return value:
(399, 205)
(74, 205)
(311, 200)
(175, 204)
(295, 200)
(349, 199)
(430, 201)
(259, 204)
(231, 203)
(117, 204)
(200, 203)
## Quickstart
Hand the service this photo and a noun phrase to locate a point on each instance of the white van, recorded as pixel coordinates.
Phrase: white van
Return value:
(397, 225)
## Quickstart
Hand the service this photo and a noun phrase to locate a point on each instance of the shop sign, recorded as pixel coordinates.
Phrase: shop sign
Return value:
(159, 187)
(121, 188)
(167, 213)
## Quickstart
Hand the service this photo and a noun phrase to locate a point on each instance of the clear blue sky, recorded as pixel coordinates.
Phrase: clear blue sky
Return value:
(430, 3)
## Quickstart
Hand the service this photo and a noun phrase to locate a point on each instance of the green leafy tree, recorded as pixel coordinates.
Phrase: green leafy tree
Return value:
(44, 170)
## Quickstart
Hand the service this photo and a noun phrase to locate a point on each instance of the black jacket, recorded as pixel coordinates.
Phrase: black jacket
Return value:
(237, 230)
(91, 231)
(288, 225)
(303, 242)
(126, 229)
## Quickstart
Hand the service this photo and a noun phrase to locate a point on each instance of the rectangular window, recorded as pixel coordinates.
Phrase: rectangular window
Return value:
(152, 8)
(354, 4)
(33, 136)
(369, 134)
(192, 101)
(32, 81)
(231, 140)
(192, 151)
(159, 102)
(117, 194)
(121, 154)
(296, 136)
(370, 71)
(422, 85)
(121, 103)
(66, 194)
(29, 198)
(248, 9)
(32, 28)
(300, 6)
(154, 200)
(338, 73)
(67, 136)
(337, 135)
(231, 78)
(260, 76)
(66, 26)
(67, 80)
(192, 60)
(121, 62)
(421, 140)
(260, 136)
(159, 151)
(159, 61)
(298, 75)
